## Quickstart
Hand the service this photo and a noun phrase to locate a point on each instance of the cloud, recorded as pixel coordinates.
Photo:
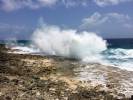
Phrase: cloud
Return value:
(8, 30)
(112, 23)
(97, 19)
(100, 3)
(10, 5)
(7, 27)
(103, 3)
(119, 17)
(71, 3)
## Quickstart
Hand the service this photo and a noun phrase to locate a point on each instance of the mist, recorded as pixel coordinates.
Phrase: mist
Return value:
(53, 40)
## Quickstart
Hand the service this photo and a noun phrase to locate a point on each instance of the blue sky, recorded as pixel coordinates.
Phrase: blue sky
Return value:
(107, 18)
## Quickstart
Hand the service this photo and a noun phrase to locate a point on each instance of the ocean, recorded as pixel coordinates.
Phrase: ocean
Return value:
(119, 52)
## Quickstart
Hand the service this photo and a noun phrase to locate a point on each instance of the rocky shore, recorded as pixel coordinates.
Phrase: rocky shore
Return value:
(34, 77)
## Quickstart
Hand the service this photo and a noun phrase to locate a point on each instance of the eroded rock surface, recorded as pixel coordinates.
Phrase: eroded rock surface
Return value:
(33, 77)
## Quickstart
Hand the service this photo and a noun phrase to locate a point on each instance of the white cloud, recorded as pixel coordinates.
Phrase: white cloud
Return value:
(4, 26)
(48, 2)
(14, 28)
(9, 5)
(103, 3)
(129, 26)
(11, 30)
(109, 24)
(71, 3)
(98, 19)
(100, 3)
(95, 19)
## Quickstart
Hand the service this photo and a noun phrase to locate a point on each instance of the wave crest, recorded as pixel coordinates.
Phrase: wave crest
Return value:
(67, 42)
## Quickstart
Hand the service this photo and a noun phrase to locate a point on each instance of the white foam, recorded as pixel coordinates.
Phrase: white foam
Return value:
(86, 46)
(120, 53)
(69, 43)
(121, 58)
(24, 50)
(126, 66)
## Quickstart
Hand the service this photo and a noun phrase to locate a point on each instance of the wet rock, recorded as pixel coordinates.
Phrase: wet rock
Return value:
(131, 97)
(110, 86)
(15, 81)
(4, 79)
(8, 98)
(22, 78)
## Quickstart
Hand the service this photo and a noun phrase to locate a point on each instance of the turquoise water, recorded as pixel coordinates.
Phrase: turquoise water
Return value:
(119, 51)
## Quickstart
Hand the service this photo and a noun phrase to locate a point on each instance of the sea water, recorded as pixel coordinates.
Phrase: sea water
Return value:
(71, 43)
(119, 52)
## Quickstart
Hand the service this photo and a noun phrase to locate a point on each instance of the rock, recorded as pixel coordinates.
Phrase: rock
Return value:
(131, 97)
(110, 86)
(28, 82)
(15, 81)
(4, 79)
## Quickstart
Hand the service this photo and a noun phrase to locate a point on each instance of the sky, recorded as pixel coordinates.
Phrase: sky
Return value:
(107, 18)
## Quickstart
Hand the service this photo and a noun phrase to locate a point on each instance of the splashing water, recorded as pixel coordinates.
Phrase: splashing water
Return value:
(69, 43)
(86, 46)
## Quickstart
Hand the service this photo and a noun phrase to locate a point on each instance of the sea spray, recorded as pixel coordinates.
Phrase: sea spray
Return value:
(53, 40)
(86, 46)
(21, 46)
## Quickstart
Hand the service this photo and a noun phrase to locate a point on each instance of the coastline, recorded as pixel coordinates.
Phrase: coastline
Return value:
(24, 76)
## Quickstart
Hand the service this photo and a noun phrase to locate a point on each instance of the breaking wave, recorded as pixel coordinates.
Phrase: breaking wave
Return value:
(69, 43)
(86, 46)
(122, 58)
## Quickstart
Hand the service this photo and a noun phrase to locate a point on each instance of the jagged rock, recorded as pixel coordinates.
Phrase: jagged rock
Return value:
(34, 77)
